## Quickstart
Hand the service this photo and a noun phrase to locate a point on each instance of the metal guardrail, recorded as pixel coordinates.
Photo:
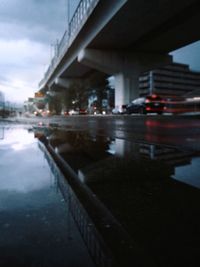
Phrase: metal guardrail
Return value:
(81, 14)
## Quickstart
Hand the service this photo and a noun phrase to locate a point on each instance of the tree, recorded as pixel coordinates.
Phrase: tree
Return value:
(75, 96)
(55, 103)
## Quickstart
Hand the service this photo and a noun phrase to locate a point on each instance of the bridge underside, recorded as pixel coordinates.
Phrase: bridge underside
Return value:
(151, 26)
(139, 26)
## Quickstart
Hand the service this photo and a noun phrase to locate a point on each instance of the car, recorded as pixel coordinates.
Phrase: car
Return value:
(119, 109)
(149, 104)
(83, 111)
(73, 112)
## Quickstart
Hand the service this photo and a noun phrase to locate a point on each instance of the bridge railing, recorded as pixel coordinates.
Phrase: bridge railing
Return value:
(81, 14)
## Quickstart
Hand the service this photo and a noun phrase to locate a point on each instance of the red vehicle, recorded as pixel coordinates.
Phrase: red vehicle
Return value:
(83, 111)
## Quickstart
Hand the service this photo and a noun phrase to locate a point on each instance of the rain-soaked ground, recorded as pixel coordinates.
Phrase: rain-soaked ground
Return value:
(36, 227)
(151, 189)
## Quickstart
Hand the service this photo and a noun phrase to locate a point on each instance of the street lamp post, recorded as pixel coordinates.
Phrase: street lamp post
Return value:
(68, 18)
(68, 13)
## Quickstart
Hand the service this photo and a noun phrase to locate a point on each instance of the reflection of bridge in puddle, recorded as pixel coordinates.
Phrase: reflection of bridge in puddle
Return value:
(87, 154)
(124, 154)
(134, 180)
(94, 242)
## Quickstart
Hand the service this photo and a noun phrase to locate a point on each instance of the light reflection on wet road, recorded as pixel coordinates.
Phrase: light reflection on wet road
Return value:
(36, 228)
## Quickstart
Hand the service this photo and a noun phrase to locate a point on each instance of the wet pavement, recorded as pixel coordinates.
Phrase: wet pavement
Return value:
(145, 172)
(36, 226)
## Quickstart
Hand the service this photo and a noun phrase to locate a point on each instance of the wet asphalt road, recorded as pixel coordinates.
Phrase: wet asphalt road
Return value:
(182, 131)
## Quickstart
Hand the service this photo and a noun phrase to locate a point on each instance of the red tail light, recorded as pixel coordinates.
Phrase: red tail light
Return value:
(154, 96)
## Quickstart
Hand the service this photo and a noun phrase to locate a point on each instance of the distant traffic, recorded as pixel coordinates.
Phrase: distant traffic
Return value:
(151, 104)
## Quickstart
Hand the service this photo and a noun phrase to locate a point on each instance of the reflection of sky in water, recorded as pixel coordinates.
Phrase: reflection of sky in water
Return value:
(22, 167)
(16, 138)
(189, 174)
(35, 225)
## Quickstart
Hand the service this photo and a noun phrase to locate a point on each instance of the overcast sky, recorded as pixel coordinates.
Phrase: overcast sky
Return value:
(28, 28)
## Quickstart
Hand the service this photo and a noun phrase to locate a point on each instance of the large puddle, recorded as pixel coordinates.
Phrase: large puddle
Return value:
(36, 227)
(151, 190)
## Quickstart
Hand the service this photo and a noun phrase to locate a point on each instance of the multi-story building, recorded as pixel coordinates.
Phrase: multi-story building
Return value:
(170, 81)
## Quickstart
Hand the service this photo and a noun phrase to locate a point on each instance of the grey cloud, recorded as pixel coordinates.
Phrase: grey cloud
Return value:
(12, 31)
(37, 20)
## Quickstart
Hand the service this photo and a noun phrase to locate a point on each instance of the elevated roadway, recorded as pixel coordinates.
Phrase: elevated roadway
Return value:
(122, 38)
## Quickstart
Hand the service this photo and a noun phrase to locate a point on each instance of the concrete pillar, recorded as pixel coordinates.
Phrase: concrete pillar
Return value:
(120, 147)
(126, 88)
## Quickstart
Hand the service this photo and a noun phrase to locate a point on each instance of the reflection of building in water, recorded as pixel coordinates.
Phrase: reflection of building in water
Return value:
(169, 155)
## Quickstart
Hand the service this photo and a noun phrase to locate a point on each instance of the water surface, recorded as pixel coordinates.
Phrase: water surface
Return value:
(36, 227)
(153, 190)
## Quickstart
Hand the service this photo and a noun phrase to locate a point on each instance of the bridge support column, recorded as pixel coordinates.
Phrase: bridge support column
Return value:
(125, 66)
(126, 88)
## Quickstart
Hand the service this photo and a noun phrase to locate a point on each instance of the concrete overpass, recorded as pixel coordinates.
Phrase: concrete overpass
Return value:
(122, 38)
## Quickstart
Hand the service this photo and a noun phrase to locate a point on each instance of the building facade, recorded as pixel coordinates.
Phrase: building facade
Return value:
(170, 81)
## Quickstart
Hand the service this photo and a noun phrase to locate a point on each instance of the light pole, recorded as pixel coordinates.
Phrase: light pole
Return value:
(68, 18)
(68, 13)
